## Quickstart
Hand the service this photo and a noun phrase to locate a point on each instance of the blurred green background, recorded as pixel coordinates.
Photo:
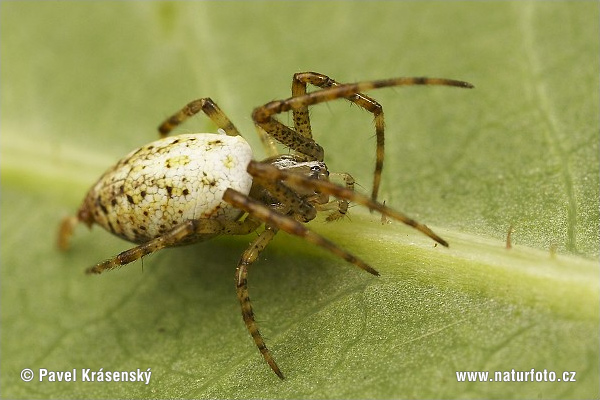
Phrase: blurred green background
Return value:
(83, 83)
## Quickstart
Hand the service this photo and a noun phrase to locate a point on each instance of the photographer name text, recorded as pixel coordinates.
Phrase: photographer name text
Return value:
(87, 375)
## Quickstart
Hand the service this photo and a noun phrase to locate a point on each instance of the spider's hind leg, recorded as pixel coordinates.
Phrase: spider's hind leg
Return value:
(186, 232)
(208, 107)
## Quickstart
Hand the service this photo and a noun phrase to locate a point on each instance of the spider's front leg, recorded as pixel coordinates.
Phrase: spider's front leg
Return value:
(302, 119)
(264, 170)
(300, 139)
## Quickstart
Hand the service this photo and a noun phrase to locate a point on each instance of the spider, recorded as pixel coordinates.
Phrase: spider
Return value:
(192, 187)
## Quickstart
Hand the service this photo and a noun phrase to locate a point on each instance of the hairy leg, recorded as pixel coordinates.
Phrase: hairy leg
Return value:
(206, 105)
(289, 225)
(241, 282)
(180, 234)
(266, 171)
(302, 141)
(302, 119)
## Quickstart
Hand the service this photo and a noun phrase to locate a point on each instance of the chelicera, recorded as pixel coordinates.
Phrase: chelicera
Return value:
(192, 187)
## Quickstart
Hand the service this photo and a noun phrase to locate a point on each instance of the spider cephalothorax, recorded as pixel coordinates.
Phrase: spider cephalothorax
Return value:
(188, 188)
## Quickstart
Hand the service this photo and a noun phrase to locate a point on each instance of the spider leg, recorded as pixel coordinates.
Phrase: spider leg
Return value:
(300, 142)
(290, 201)
(262, 170)
(302, 119)
(263, 115)
(274, 221)
(241, 282)
(289, 225)
(176, 236)
(208, 107)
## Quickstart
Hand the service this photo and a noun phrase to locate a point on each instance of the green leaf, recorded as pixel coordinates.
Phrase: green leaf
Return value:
(84, 83)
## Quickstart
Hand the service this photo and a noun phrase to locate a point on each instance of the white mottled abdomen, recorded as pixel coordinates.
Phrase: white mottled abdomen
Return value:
(169, 181)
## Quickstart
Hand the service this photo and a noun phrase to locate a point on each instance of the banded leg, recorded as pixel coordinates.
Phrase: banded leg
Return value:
(266, 171)
(302, 119)
(241, 282)
(208, 107)
(289, 225)
(290, 203)
(264, 116)
(177, 236)
(290, 138)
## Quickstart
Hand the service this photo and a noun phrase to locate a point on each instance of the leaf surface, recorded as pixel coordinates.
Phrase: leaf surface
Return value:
(520, 151)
